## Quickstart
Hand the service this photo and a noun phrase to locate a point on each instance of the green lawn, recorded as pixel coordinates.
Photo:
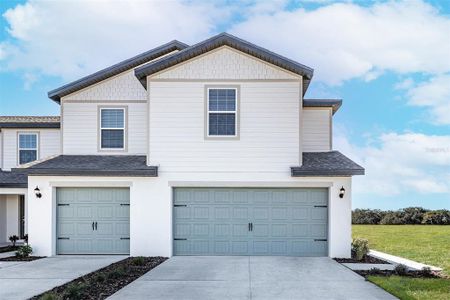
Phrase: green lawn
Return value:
(414, 288)
(423, 243)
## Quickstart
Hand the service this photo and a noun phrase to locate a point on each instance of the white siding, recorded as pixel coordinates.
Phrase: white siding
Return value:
(269, 128)
(225, 63)
(316, 129)
(80, 128)
(124, 86)
(49, 144)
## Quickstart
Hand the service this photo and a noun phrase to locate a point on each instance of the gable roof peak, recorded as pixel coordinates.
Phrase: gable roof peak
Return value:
(116, 69)
(224, 39)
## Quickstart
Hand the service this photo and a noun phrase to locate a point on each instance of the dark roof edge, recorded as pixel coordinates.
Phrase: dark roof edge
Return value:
(30, 125)
(118, 68)
(223, 39)
(335, 104)
(298, 172)
(13, 185)
(152, 171)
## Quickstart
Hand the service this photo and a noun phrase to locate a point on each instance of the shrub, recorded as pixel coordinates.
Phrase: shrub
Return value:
(138, 261)
(75, 291)
(13, 239)
(25, 238)
(48, 296)
(24, 251)
(437, 217)
(100, 278)
(392, 218)
(426, 272)
(413, 215)
(401, 270)
(367, 216)
(361, 247)
(116, 273)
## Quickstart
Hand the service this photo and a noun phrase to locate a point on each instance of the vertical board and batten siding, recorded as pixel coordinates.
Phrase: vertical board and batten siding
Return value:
(49, 144)
(317, 129)
(269, 116)
(81, 128)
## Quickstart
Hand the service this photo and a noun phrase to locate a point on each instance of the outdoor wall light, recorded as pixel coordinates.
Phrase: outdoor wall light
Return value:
(341, 192)
(37, 192)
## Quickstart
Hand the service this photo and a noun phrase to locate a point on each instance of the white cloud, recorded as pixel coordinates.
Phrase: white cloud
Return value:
(344, 40)
(398, 163)
(433, 94)
(74, 38)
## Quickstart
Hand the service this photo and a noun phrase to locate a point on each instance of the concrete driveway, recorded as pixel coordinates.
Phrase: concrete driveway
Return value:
(183, 277)
(22, 280)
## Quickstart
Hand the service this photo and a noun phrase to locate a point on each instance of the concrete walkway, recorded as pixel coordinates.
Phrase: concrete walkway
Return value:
(26, 279)
(278, 278)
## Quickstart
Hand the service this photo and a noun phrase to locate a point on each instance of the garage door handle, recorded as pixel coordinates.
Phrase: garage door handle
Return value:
(320, 206)
(320, 240)
(180, 239)
(93, 226)
(123, 238)
(63, 238)
(180, 205)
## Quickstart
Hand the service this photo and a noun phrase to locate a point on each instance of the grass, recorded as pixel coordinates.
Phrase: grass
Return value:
(407, 288)
(429, 244)
(423, 243)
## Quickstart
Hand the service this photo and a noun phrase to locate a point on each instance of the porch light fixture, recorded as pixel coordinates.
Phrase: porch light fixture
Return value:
(37, 192)
(341, 192)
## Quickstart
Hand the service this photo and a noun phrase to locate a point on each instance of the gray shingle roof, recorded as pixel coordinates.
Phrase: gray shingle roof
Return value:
(225, 39)
(333, 103)
(95, 165)
(331, 163)
(13, 179)
(29, 122)
(123, 66)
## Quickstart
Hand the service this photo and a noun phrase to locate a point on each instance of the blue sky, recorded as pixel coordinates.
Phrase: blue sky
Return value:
(388, 60)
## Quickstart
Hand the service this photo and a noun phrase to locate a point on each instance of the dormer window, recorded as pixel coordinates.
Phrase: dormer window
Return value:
(112, 128)
(222, 112)
(28, 147)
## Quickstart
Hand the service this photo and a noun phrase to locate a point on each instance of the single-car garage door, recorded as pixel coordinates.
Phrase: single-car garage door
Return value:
(93, 220)
(250, 221)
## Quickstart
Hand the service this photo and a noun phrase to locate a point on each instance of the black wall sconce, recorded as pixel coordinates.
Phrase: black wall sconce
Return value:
(37, 192)
(341, 192)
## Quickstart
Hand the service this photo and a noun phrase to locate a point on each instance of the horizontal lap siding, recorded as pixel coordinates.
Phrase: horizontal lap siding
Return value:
(269, 128)
(49, 144)
(80, 128)
(316, 130)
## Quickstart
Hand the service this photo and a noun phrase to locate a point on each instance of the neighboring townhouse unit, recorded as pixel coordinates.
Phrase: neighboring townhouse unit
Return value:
(208, 149)
(23, 140)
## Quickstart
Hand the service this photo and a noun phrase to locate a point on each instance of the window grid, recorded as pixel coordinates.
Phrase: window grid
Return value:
(27, 147)
(224, 100)
(112, 136)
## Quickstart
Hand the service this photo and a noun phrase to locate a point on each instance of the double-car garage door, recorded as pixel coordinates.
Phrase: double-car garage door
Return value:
(250, 221)
(93, 220)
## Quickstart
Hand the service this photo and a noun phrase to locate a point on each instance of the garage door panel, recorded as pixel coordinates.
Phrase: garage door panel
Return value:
(240, 213)
(80, 208)
(284, 221)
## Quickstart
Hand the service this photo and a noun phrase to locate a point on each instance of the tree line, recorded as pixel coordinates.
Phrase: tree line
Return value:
(409, 215)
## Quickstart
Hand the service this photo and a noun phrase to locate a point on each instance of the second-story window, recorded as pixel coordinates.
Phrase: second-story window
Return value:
(222, 110)
(112, 128)
(28, 147)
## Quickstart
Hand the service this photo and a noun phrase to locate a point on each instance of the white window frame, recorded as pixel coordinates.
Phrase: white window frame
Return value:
(20, 148)
(109, 128)
(235, 112)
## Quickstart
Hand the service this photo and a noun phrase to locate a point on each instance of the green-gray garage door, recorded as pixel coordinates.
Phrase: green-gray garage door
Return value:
(250, 221)
(93, 221)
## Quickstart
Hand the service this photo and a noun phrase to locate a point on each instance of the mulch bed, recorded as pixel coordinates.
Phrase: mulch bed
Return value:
(412, 274)
(16, 258)
(8, 249)
(366, 260)
(104, 282)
